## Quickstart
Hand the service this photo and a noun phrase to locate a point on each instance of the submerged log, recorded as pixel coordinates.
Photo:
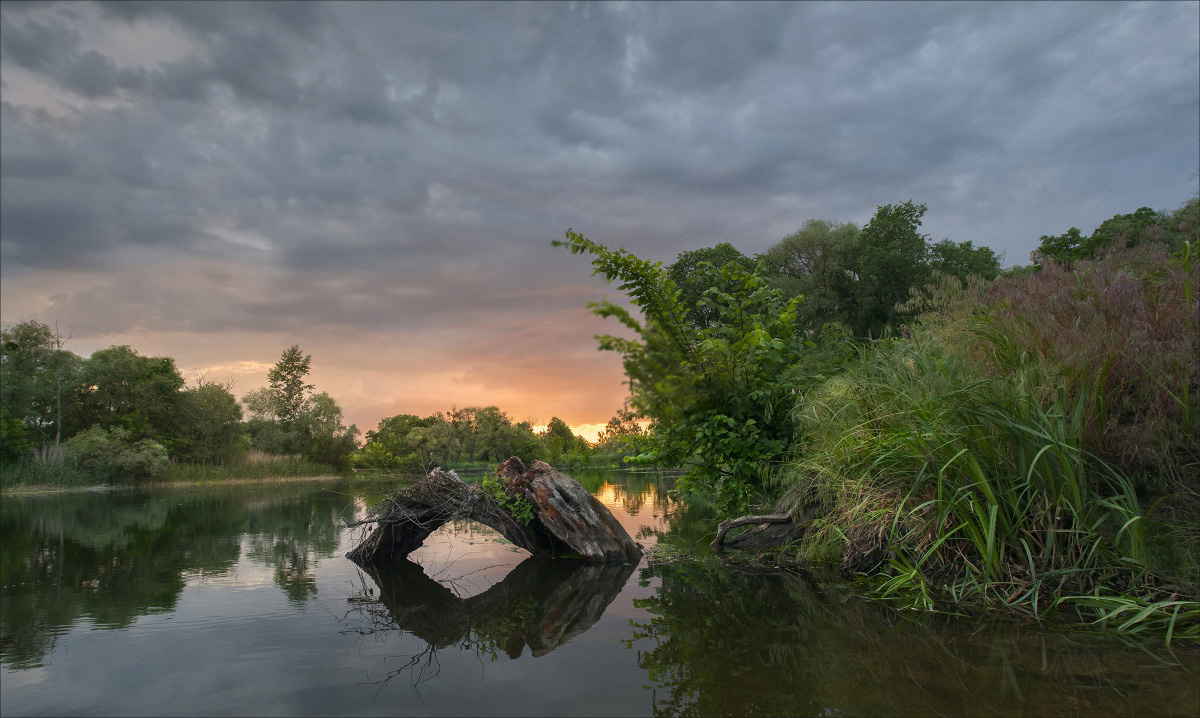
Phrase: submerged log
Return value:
(567, 520)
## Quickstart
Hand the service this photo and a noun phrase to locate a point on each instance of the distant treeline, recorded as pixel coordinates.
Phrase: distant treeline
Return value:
(120, 416)
(486, 435)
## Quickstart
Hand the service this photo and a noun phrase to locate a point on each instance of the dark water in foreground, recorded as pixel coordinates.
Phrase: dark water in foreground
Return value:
(238, 601)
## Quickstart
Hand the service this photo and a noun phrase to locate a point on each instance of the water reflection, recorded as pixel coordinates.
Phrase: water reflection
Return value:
(727, 642)
(541, 604)
(110, 558)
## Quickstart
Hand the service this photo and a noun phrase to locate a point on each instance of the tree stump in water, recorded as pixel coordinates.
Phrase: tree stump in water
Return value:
(567, 520)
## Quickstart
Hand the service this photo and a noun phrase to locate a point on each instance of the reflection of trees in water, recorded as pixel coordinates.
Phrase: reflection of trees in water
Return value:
(725, 642)
(111, 558)
(291, 537)
(540, 604)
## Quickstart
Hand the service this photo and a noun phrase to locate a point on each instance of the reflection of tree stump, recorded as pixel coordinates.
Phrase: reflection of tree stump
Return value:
(540, 604)
(568, 521)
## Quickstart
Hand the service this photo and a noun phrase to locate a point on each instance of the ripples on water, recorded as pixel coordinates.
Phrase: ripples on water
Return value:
(239, 601)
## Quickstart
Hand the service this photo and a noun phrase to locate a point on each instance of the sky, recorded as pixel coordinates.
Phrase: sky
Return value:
(380, 183)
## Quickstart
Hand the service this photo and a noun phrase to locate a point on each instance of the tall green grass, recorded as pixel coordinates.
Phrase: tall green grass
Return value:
(283, 466)
(959, 490)
(30, 472)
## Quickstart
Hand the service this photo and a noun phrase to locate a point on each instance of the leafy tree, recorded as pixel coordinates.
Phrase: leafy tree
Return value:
(623, 437)
(36, 374)
(693, 284)
(288, 390)
(119, 388)
(210, 426)
(562, 444)
(719, 396)
(329, 441)
(893, 259)
(1141, 226)
(962, 260)
(818, 262)
(14, 439)
(390, 445)
(286, 419)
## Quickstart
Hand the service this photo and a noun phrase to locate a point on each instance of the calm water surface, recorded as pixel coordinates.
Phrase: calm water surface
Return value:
(238, 601)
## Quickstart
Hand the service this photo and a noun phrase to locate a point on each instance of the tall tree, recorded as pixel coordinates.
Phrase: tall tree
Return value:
(288, 386)
(36, 373)
(893, 259)
(963, 259)
(209, 424)
(818, 262)
(120, 388)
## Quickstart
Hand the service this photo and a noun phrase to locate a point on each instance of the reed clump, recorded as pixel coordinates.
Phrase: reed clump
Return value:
(1032, 447)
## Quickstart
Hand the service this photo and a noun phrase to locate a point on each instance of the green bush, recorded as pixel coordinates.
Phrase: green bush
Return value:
(111, 452)
(14, 440)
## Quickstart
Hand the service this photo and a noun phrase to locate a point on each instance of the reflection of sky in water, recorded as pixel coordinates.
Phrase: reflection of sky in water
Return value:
(263, 622)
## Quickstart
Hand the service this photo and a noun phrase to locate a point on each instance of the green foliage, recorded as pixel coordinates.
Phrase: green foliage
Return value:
(562, 445)
(963, 260)
(718, 396)
(288, 389)
(14, 439)
(1123, 231)
(286, 418)
(977, 487)
(37, 379)
(622, 438)
(818, 262)
(209, 422)
(857, 277)
(518, 507)
(406, 442)
(893, 258)
(1005, 454)
(693, 285)
(116, 453)
(118, 388)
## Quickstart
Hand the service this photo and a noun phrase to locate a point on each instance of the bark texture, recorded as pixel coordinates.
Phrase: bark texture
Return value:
(567, 522)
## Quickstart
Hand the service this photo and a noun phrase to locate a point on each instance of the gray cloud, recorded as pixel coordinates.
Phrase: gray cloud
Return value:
(390, 166)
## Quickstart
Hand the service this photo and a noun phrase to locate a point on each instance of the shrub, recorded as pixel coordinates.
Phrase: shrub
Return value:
(110, 451)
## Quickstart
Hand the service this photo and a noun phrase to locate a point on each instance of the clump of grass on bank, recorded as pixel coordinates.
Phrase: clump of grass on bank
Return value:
(991, 461)
(969, 491)
(264, 468)
(63, 471)
(30, 472)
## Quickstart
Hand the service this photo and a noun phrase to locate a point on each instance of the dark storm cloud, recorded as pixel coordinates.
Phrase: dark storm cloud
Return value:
(417, 140)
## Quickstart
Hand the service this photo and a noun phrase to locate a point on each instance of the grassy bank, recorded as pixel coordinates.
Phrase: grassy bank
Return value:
(65, 473)
(1031, 449)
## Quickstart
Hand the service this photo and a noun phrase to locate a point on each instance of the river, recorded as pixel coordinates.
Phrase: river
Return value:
(238, 600)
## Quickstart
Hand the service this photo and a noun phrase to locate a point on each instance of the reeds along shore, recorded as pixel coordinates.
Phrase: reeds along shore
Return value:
(1029, 446)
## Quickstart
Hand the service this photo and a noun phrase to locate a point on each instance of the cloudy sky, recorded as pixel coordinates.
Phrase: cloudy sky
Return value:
(379, 183)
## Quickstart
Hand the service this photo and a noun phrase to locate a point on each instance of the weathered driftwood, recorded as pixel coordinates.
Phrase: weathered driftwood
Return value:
(768, 531)
(568, 521)
(866, 545)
